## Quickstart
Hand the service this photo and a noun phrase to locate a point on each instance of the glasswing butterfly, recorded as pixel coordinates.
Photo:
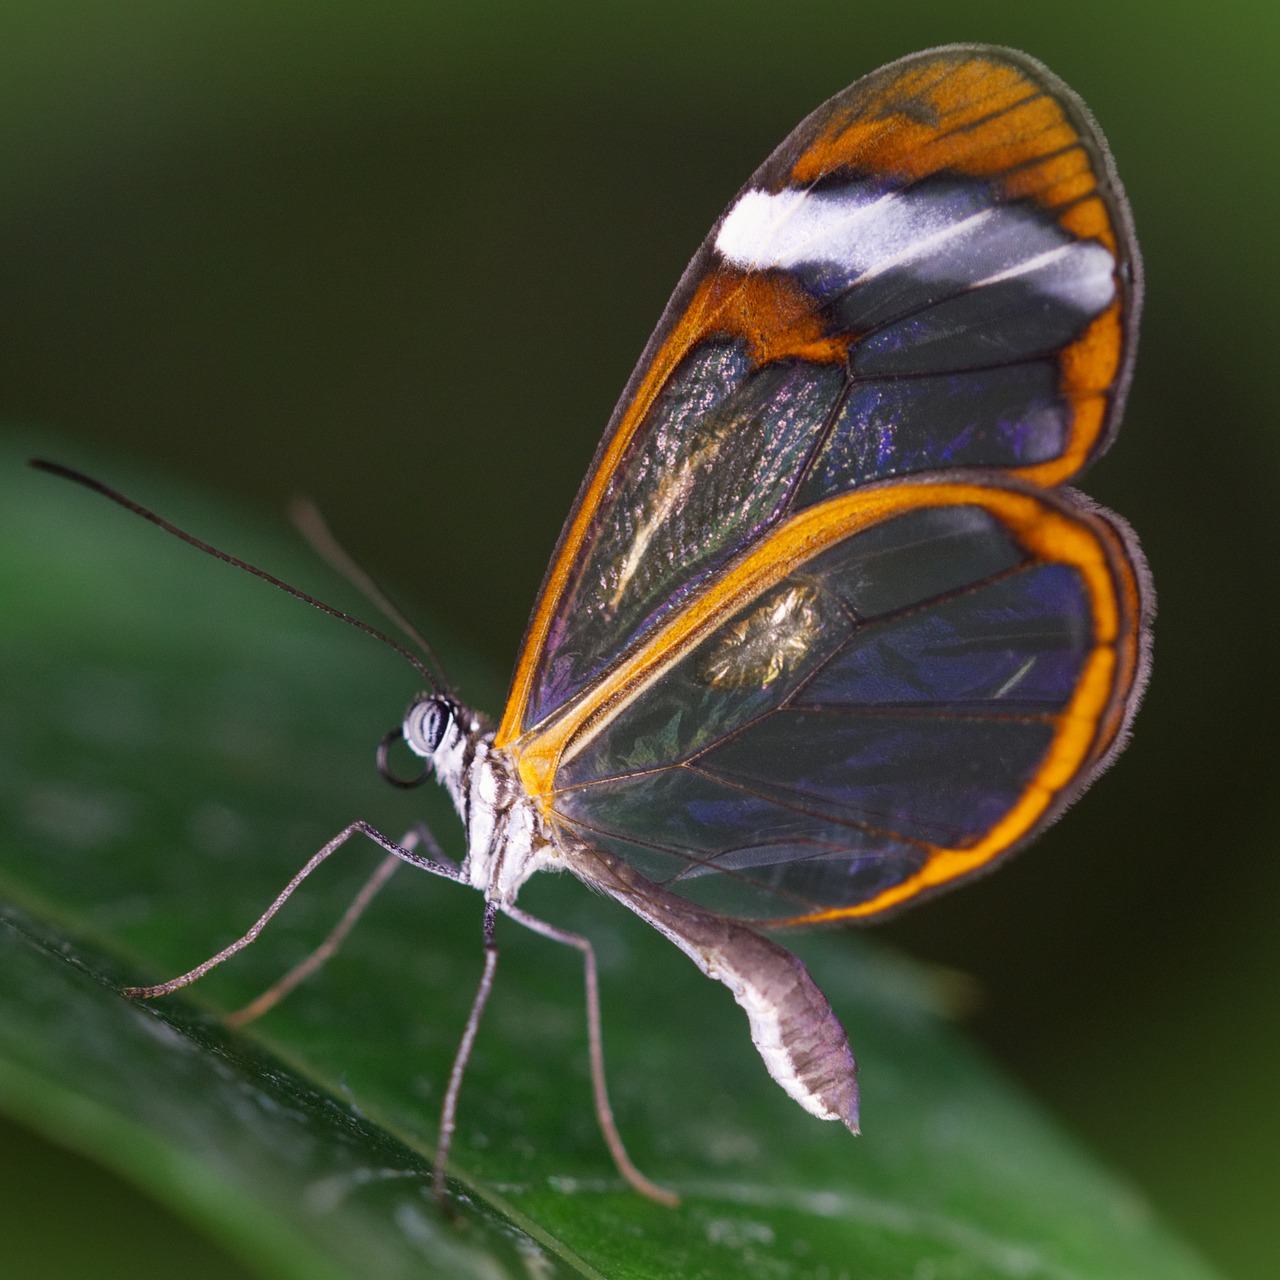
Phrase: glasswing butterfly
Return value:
(823, 634)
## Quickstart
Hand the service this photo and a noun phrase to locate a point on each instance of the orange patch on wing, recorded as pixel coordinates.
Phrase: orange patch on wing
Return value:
(1056, 180)
(1089, 220)
(1093, 360)
(1129, 651)
(767, 309)
(1087, 372)
(978, 117)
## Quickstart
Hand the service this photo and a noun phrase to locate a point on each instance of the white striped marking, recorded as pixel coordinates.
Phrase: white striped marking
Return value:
(861, 234)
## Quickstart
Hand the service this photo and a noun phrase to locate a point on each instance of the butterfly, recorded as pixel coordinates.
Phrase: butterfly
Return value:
(824, 633)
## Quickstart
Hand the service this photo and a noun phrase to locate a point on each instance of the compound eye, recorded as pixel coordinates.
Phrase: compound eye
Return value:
(426, 725)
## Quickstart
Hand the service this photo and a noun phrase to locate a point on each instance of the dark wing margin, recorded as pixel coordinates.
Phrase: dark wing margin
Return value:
(935, 270)
(893, 690)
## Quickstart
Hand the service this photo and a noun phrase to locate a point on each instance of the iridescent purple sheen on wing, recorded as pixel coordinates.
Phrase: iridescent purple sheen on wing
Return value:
(1018, 642)
(1008, 417)
(865, 767)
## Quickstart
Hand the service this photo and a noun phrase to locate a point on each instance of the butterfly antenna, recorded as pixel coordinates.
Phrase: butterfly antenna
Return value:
(309, 522)
(88, 482)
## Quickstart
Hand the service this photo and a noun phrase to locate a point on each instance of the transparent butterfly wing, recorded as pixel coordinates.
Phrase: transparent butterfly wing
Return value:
(893, 708)
(913, 323)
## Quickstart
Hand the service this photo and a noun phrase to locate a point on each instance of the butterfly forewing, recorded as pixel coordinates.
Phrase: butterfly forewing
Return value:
(818, 636)
(934, 270)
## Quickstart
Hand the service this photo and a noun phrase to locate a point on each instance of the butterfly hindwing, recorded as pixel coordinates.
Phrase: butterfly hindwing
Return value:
(895, 688)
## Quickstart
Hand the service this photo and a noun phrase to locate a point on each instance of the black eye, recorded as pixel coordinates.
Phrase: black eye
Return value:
(426, 724)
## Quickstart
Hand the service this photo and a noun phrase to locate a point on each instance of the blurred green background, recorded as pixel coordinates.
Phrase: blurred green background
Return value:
(402, 256)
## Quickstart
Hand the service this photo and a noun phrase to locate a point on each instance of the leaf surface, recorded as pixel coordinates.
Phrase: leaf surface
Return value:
(177, 740)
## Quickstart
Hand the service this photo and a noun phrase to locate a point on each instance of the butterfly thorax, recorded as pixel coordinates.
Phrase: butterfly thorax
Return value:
(507, 837)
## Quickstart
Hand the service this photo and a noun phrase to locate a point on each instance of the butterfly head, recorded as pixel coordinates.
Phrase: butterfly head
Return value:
(435, 727)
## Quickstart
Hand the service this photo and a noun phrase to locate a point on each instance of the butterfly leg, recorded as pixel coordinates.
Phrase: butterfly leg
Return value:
(604, 1112)
(420, 835)
(302, 971)
(449, 1109)
(432, 861)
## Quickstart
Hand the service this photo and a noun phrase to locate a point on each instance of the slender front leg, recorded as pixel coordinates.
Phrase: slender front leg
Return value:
(404, 853)
(449, 1111)
(325, 951)
(595, 1042)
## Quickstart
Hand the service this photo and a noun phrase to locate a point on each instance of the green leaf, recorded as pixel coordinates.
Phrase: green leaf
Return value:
(178, 739)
